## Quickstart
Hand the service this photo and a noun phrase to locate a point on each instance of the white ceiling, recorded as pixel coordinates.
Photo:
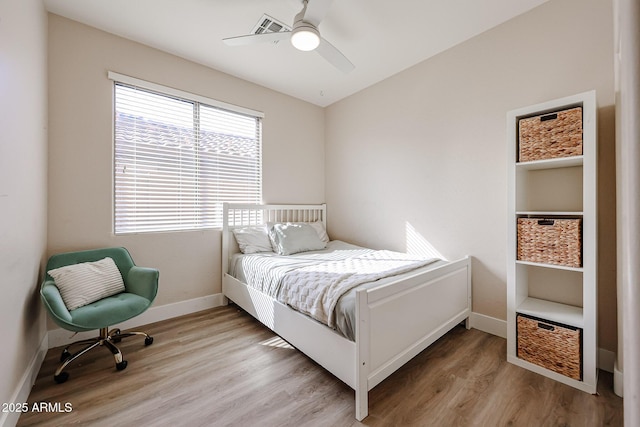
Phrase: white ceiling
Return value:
(380, 37)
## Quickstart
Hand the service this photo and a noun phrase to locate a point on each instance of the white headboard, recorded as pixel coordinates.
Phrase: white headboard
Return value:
(242, 215)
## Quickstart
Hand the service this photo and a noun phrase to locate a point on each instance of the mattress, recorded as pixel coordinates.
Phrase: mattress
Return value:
(264, 271)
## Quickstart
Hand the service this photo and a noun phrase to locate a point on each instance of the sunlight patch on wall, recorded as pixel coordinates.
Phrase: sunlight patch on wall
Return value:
(418, 245)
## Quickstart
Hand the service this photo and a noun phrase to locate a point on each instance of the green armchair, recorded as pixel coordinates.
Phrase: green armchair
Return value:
(141, 287)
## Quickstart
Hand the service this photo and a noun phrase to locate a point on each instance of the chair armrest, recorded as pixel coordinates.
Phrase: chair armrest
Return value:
(53, 300)
(143, 281)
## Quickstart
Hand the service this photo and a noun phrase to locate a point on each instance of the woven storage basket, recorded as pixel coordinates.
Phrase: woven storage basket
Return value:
(550, 241)
(550, 345)
(551, 136)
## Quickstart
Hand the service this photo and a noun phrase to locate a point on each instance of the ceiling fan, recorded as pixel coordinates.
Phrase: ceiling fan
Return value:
(304, 35)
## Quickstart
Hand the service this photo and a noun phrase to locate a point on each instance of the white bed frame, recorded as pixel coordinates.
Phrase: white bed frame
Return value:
(395, 321)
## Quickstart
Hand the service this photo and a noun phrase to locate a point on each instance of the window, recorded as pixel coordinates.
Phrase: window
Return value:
(178, 159)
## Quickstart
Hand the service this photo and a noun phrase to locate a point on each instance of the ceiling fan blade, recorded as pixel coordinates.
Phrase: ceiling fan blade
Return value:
(256, 38)
(334, 56)
(316, 11)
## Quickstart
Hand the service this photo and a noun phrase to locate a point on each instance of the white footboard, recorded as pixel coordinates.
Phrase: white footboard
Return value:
(399, 320)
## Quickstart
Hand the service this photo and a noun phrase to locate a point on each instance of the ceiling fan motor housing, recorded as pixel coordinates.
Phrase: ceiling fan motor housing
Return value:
(305, 36)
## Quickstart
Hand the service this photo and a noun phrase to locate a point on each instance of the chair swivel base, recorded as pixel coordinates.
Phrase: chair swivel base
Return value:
(106, 339)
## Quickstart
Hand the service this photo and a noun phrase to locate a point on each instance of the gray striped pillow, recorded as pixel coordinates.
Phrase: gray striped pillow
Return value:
(87, 282)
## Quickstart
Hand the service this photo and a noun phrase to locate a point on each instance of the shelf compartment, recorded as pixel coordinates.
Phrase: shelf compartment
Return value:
(551, 345)
(550, 241)
(557, 189)
(561, 285)
(551, 135)
(552, 311)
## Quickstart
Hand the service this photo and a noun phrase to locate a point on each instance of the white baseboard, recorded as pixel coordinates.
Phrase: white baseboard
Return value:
(10, 419)
(606, 359)
(488, 324)
(498, 327)
(618, 384)
(59, 337)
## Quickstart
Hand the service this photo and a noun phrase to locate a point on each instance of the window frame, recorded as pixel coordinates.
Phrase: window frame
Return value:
(198, 102)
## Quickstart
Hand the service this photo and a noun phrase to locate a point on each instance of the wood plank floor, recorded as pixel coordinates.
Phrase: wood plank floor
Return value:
(220, 367)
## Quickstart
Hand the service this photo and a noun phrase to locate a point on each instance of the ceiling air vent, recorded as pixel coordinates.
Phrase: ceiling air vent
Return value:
(267, 24)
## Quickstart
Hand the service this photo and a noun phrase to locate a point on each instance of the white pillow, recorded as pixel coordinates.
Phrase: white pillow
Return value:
(252, 239)
(87, 282)
(291, 238)
(319, 227)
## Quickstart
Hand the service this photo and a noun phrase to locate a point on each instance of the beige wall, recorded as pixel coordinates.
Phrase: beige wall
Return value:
(23, 196)
(80, 146)
(421, 157)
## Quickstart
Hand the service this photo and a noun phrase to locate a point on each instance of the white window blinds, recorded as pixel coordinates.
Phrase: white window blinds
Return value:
(177, 160)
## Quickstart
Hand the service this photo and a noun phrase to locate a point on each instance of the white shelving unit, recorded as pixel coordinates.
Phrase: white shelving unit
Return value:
(556, 188)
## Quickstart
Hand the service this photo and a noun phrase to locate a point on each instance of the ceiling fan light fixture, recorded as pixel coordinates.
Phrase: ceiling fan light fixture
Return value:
(305, 36)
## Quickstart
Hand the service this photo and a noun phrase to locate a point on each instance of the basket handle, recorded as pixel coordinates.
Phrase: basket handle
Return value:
(546, 222)
(551, 116)
(545, 326)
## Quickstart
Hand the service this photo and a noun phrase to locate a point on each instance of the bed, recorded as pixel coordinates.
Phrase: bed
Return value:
(423, 303)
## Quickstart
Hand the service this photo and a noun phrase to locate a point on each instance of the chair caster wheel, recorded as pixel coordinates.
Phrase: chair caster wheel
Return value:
(120, 366)
(65, 355)
(148, 341)
(116, 336)
(62, 377)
